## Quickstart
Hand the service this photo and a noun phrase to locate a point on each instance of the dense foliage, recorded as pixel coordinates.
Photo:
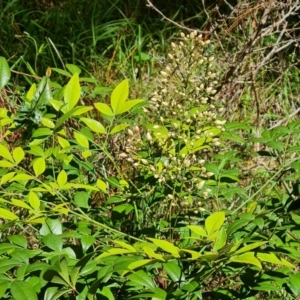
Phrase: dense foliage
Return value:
(180, 193)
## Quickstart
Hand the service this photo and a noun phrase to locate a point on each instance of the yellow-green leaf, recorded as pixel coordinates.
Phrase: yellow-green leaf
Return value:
(81, 140)
(125, 245)
(71, 93)
(4, 152)
(48, 122)
(138, 264)
(20, 203)
(86, 153)
(63, 142)
(94, 125)
(81, 110)
(31, 92)
(18, 155)
(214, 222)
(221, 239)
(101, 185)
(62, 178)
(119, 95)
(84, 186)
(195, 255)
(56, 104)
(150, 253)
(104, 109)
(246, 258)
(6, 164)
(128, 105)
(6, 214)
(166, 246)
(21, 177)
(36, 220)
(250, 247)
(197, 229)
(272, 258)
(5, 178)
(39, 166)
(118, 128)
(34, 200)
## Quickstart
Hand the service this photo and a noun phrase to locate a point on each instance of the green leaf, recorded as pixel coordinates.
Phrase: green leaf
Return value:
(4, 285)
(18, 240)
(18, 155)
(119, 96)
(81, 140)
(295, 283)
(128, 105)
(34, 200)
(62, 72)
(71, 93)
(82, 199)
(142, 278)
(62, 178)
(23, 290)
(220, 240)
(6, 214)
(247, 258)
(214, 222)
(198, 230)
(4, 72)
(39, 166)
(4, 152)
(53, 242)
(94, 125)
(42, 132)
(73, 112)
(118, 128)
(174, 271)
(166, 246)
(104, 109)
(272, 258)
(86, 242)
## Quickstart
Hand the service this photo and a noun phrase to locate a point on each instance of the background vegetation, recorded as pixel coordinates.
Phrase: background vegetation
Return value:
(189, 190)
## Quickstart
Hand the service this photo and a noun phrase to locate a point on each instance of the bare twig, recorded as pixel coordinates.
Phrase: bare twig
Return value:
(149, 4)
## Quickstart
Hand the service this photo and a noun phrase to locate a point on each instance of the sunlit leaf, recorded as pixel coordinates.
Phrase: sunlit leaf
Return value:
(71, 93)
(62, 178)
(39, 166)
(4, 72)
(118, 128)
(94, 125)
(4, 152)
(214, 222)
(104, 109)
(119, 95)
(6, 214)
(247, 258)
(34, 200)
(166, 246)
(18, 155)
(81, 140)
